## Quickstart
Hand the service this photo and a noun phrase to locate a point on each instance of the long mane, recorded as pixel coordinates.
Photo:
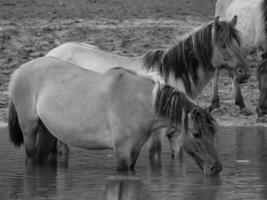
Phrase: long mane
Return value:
(170, 103)
(186, 57)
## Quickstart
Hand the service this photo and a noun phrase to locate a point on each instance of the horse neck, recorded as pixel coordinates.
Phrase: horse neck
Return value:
(189, 74)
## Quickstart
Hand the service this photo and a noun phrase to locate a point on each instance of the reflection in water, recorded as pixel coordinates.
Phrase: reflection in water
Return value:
(241, 150)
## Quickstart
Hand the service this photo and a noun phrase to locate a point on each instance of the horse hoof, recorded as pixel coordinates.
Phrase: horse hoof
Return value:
(246, 111)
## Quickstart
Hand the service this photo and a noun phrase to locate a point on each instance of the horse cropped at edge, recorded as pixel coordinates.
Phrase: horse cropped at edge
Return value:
(189, 65)
(252, 25)
(51, 99)
(262, 102)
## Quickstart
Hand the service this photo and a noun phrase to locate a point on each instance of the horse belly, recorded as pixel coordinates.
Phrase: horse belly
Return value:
(88, 139)
(69, 120)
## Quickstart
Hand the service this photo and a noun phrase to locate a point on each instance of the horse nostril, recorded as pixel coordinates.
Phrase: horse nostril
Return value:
(213, 169)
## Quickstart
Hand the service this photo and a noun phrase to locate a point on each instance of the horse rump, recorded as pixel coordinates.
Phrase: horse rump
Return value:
(15, 133)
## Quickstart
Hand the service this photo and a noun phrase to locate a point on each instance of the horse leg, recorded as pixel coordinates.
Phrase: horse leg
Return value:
(239, 101)
(154, 144)
(215, 96)
(134, 156)
(46, 144)
(62, 152)
(262, 102)
(30, 135)
(123, 157)
(175, 145)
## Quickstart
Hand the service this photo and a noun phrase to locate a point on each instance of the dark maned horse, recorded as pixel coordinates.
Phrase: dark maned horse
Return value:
(52, 99)
(189, 65)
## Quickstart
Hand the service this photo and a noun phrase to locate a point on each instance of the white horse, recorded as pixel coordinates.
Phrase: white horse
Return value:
(252, 19)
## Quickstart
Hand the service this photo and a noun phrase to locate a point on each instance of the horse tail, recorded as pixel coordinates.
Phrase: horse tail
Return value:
(15, 133)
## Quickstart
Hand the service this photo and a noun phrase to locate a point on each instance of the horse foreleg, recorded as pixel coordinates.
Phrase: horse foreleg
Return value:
(215, 96)
(62, 152)
(175, 145)
(123, 157)
(134, 157)
(239, 101)
(155, 144)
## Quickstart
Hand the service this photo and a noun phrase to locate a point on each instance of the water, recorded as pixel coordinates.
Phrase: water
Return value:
(243, 152)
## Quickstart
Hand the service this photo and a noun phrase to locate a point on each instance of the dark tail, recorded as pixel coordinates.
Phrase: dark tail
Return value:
(15, 133)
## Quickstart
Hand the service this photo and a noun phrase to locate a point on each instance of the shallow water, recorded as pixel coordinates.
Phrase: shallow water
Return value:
(243, 152)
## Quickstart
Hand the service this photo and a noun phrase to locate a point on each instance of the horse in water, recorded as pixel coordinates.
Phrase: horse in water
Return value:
(52, 99)
(252, 25)
(262, 103)
(189, 65)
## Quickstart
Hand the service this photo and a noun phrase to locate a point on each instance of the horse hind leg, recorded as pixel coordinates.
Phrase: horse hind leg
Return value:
(62, 151)
(46, 145)
(50, 149)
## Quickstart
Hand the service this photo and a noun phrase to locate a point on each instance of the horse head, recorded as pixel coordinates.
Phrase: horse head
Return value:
(197, 139)
(227, 49)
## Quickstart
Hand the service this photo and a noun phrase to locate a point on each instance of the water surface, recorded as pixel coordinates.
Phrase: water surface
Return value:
(243, 152)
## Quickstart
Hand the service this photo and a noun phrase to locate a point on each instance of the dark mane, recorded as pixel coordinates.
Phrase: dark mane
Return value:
(153, 58)
(206, 122)
(264, 10)
(170, 103)
(186, 57)
(228, 35)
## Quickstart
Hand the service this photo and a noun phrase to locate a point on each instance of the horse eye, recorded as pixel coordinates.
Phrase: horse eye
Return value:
(224, 46)
(197, 135)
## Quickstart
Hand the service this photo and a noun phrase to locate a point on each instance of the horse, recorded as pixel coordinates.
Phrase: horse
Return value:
(189, 65)
(252, 15)
(262, 79)
(51, 99)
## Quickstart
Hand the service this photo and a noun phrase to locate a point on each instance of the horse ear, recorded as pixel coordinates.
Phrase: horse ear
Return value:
(216, 22)
(234, 21)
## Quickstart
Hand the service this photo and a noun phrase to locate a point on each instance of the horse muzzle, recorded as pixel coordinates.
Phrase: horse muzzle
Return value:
(213, 169)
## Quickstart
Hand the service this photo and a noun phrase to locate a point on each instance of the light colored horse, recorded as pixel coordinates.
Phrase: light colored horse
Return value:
(252, 19)
(189, 65)
(53, 99)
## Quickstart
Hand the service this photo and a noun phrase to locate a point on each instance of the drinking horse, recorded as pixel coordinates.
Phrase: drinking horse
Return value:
(51, 99)
(252, 20)
(189, 65)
